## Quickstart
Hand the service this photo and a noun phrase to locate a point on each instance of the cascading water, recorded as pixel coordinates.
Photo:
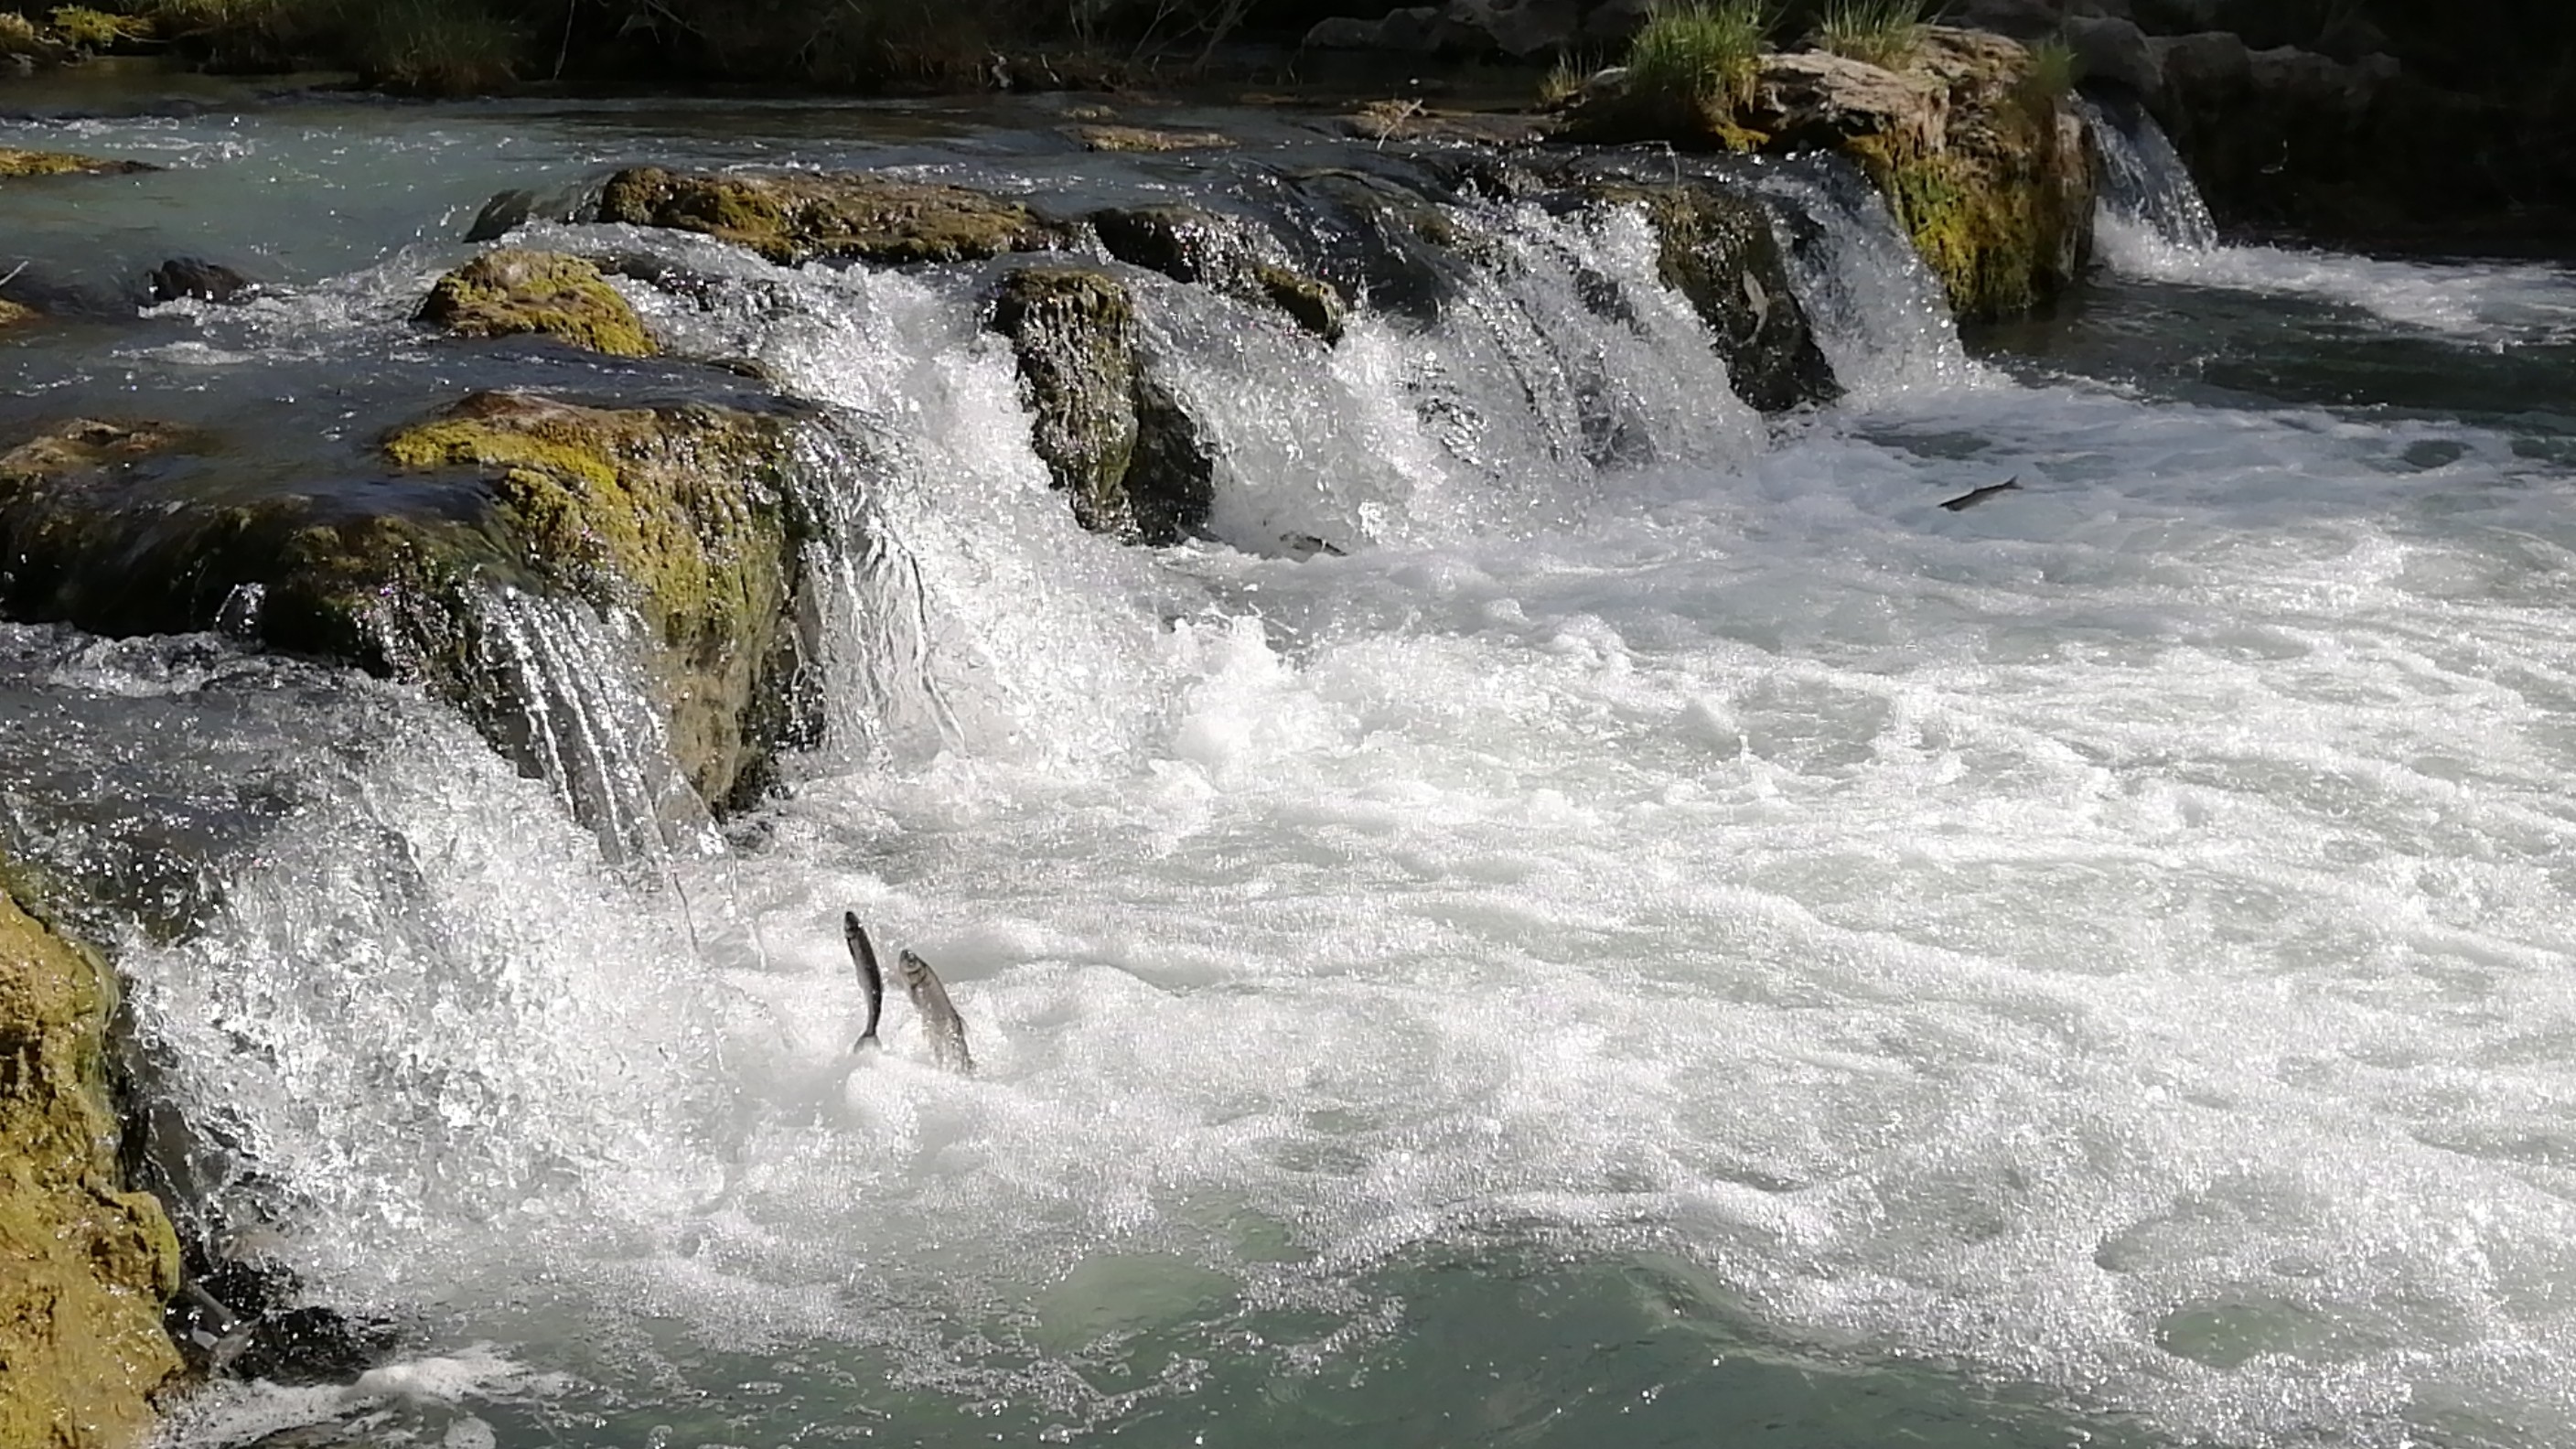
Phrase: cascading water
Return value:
(2147, 197)
(1667, 929)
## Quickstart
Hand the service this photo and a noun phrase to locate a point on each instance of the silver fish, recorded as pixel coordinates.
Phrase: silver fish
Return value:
(1975, 496)
(864, 956)
(938, 1017)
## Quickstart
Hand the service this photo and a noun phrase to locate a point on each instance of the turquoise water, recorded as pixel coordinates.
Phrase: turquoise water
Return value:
(1699, 946)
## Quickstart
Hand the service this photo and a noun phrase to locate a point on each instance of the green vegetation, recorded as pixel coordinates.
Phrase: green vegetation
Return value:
(1884, 33)
(433, 47)
(1702, 54)
(2051, 77)
(97, 29)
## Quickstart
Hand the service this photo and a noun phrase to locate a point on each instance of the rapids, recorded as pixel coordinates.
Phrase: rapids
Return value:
(1668, 936)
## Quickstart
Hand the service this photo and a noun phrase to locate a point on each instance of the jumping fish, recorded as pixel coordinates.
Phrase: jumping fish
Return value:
(864, 956)
(1975, 496)
(938, 1017)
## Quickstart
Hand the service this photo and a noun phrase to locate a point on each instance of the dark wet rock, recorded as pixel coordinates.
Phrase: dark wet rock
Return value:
(1411, 30)
(252, 1317)
(856, 217)
(15, 162)
(1374, 238)
(511, 292)
(1113, 437)
(1143, 138)
(84, 1264)
(2114, 51)
(679, 513)
(200, 280)
(1229, 253)
(1716, 249)
(505, 213)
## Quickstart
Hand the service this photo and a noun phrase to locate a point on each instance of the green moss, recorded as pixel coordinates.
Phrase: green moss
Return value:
(1312, 303)
(860, 217)
(84, 1266)
(676, 513)
(511, 291)
(15, 162)
(1143, 138)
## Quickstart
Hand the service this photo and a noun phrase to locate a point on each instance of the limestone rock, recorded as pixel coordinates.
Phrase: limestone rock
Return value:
(856, 216)
(1145, 138)
(510, 292)
(1113, 438)
(16, 162)
(1229, 253)
(84, 1265)
(1815, 100)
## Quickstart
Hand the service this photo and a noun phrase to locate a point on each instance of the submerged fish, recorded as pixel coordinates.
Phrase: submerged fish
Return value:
(938, 1017)
(1975, 496)
(864, 956)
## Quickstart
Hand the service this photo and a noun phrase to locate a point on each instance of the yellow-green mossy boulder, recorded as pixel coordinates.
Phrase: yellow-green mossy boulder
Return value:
(677, 512)
(85, 1266)
(12, 314)
(512, 291)
(2000, 203)
(15, 162)
(855, 217)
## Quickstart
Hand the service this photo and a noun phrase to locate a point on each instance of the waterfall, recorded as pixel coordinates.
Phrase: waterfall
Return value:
(2147, 202)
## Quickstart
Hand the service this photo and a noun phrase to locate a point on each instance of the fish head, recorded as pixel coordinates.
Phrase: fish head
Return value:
(916, 970)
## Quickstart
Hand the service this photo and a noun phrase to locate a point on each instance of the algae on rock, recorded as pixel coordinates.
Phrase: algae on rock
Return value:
(1113, 437)
(85, 1266)
(513, 291)
(859, 216)
(17, 162)
(681, 514)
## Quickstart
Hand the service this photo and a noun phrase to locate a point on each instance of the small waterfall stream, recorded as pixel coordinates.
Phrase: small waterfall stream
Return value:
(1572, 912)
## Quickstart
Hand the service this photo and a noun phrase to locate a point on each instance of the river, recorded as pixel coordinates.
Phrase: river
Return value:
(1669, 936)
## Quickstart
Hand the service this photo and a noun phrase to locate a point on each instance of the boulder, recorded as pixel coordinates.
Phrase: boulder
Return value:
(200, 280)
(1985, 165)
(510, 292)
(849, 217)
(88, 1264)
(505, 213)
(1615, 22)
(1521, 28)
(1412, 30)
(1717, 250)
(15, 162)
(2115, 50)
(679, 513)
(1111, 436)
(1228, 253)
(1144, 138)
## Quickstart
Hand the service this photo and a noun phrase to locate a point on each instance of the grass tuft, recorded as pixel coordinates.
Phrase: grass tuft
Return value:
(434, 47)
(1706, 52)
(2051, 75)
(97, 29)
(1884, 33)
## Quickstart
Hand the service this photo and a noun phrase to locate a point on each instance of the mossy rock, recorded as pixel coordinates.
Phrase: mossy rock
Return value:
(1716, 249)
(15, 162)
(85, 1266)
(1147, 139)
(511, 291)
(857, 217)
(1112, 437)
(679, 513)
(1229, 253)
(2000, 205)
(13, 315)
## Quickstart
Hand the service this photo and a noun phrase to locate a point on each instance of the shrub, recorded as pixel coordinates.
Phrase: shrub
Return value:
(1702, 53)
(433, 47)
(1881, 32)
(96, 29)
(2050, 76)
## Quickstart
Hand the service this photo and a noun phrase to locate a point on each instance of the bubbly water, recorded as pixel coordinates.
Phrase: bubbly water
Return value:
(1670, 936)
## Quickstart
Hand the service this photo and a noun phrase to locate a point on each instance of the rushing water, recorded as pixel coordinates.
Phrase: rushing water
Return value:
(1670, 937)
